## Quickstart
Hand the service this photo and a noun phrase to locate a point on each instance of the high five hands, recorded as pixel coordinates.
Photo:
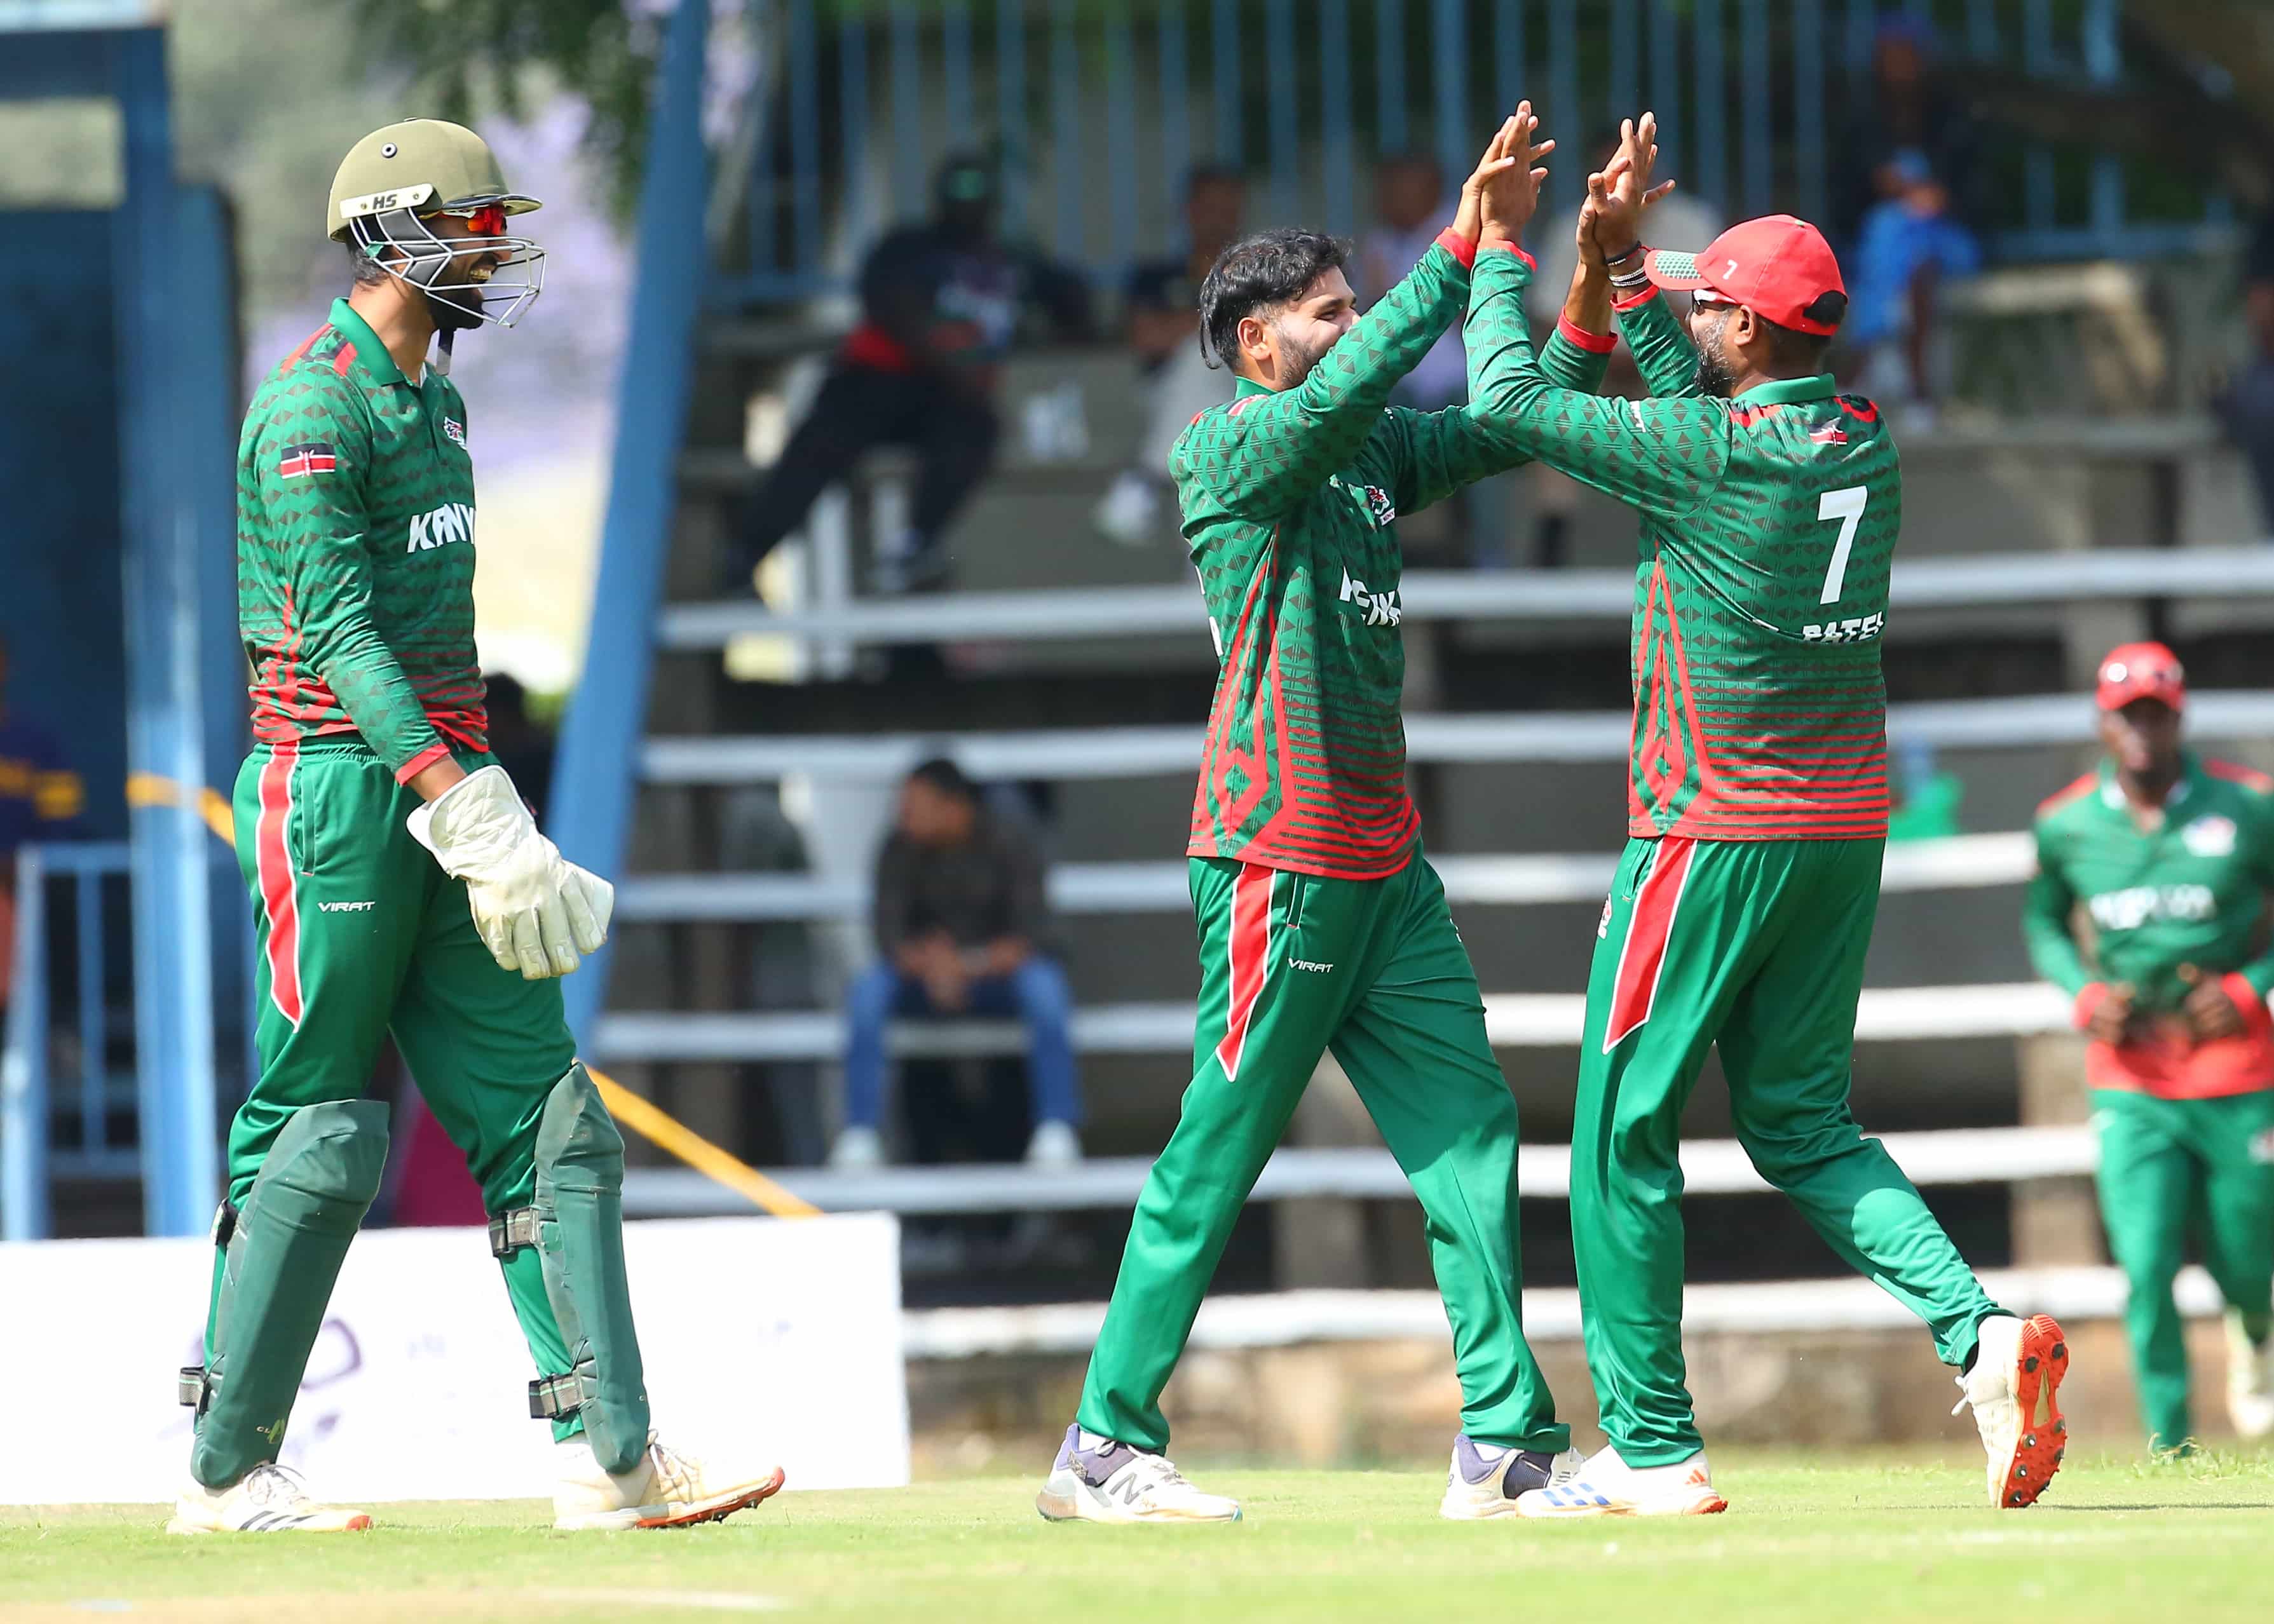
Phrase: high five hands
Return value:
(1610, 221)
(1500, 196)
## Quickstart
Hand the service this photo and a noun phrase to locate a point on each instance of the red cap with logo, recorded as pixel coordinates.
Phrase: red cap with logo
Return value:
(2140, 671)
(1777, 266)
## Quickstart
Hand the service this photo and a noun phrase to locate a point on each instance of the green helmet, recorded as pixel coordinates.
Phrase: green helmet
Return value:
(396, 180)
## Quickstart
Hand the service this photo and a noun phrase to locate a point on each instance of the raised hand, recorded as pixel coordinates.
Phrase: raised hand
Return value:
(1469, 220)
(1510, 193)
(1611, 222)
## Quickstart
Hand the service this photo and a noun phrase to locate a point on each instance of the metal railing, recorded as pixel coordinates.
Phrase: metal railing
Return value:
(1096, 110)
(71, 1105)
(38, 1142)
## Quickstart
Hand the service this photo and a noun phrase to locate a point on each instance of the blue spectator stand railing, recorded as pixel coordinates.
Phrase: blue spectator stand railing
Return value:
(75, 1111)
(1098, 108)
(71, 1097)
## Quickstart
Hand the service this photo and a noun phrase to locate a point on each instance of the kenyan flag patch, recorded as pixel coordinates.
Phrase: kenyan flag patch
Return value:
(298, 462)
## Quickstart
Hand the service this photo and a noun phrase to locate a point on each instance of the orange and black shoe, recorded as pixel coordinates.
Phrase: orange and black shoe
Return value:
(2014, 1389)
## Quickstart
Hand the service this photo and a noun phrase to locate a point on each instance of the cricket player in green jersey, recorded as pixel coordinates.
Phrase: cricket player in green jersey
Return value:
(1757, 807)
(1321, 927)
(399, 885)
(2148, 909)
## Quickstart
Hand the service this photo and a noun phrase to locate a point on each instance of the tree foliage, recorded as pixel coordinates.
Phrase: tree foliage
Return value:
(468, 55)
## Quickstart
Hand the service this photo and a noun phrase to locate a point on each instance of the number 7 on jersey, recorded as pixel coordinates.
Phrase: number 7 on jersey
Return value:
(1847, 506)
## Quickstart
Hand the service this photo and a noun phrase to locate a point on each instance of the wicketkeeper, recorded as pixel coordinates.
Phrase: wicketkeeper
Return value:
(399, 884)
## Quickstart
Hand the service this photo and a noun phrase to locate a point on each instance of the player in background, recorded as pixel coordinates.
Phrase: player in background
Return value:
(2153, 876)
(1321, 927)
(400, 885)
(1758, 811)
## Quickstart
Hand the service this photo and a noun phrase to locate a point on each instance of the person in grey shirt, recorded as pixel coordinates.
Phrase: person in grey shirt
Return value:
(961, 923)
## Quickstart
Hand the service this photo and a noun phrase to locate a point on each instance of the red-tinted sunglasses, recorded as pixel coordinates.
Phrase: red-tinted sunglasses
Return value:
(488, 221)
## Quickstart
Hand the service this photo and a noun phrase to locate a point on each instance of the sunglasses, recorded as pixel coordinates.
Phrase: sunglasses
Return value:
(487, 220)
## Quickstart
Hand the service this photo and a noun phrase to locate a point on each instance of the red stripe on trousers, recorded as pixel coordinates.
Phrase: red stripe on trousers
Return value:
(1248, 952)
(279, 895)
(1642, 956)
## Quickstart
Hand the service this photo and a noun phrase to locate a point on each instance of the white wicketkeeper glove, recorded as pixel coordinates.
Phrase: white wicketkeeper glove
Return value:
(538, 913)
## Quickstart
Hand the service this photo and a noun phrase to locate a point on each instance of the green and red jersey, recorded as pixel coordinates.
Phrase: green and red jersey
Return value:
(355, 552)
(1289, 499)
(1768, 535)
(2190, 888)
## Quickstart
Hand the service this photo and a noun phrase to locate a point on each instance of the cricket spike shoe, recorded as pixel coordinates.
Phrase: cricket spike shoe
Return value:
(2249, 1379)
(268, 1499)
(1097, 1480)
(1606, 1486)
(1486, 1479)
(2015, 1391)
(666, 1489)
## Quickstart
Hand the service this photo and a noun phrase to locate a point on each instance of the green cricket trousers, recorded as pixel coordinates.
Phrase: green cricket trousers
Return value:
(1293, 965)
(2167, 1167)
(360, 934)
(1759, 946)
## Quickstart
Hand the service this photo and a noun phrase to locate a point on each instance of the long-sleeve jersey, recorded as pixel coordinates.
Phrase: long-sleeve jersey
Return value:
(355, 551)
(2191, 890)
(1768, 534)
(1289, 500)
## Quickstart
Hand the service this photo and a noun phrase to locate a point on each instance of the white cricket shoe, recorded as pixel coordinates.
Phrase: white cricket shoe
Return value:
(665, 1490)
(1097, 1480)
(2249, 1380)
(268, 1499)
(1486, 1479)
(2014, 1388)
(1606, 1486)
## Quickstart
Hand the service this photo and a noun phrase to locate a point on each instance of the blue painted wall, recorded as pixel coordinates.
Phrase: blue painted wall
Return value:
(60, 461)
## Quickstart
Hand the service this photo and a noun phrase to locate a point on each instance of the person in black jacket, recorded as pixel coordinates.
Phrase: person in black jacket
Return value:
(941, 303)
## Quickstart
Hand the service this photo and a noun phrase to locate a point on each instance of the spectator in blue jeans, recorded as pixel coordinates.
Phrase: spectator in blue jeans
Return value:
(961, 922)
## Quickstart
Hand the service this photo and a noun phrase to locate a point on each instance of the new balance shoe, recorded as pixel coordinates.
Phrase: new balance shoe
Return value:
(664, 1489)
(1097, 1480)
(1606, 1486)
(2015, 1391)
(2249, 1379)
(1486, 1479)
(268, 1500)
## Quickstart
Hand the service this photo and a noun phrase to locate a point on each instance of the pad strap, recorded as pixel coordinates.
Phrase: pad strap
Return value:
(194, 1388)
(511, 1231)
(552, 1397)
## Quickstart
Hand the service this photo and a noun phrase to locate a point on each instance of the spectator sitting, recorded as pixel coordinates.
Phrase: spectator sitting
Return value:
(1164, 340)
(959, 920)
(2246, 405)
(941, 303)
(1907, 202)
(1410, 207)
(520, 743)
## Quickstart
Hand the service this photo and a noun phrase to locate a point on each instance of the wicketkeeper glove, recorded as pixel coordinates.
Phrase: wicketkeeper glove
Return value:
(538, 913)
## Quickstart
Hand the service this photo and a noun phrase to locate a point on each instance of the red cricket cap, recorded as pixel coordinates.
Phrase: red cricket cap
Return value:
(2140, 671)
(1777, 266)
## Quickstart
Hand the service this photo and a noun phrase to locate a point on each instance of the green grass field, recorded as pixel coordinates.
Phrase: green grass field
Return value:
(2185, 1544)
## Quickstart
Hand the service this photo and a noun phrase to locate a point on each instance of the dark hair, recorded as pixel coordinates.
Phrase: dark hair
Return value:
(941, 774)
(364, 265)
(1795, 354)
(1257, 272)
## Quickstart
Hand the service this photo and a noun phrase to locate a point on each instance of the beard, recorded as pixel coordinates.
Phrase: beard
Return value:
(1297, 360)
(449, 317)
(1714, 375)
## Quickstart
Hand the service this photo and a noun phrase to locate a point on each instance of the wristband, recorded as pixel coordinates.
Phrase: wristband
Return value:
(1630, 279)
(1620, 258)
